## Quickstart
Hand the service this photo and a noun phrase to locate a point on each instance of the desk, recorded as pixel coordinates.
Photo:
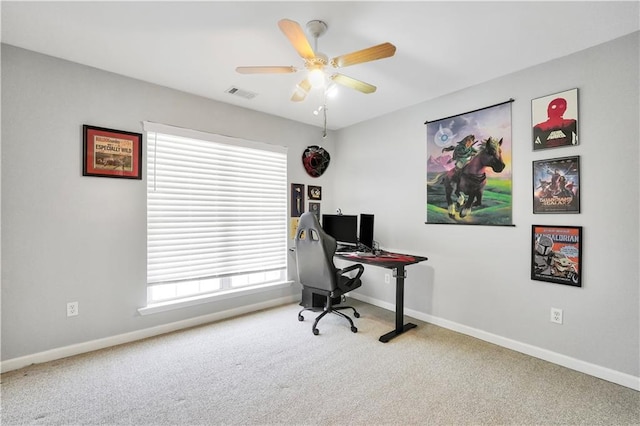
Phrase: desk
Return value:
(397, 263)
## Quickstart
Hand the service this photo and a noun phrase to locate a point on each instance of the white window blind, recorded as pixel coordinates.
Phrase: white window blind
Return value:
(216, 206)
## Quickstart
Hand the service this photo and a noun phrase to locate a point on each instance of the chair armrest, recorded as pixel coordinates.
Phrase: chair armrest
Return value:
(346, 283)
(351, 268)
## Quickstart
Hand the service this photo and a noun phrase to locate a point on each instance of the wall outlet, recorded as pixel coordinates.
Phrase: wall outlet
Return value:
(387, 278)
(72, 309)
(556, 315)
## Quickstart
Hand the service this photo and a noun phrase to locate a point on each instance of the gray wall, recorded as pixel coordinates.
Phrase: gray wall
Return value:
(67, 237)
(478, 277)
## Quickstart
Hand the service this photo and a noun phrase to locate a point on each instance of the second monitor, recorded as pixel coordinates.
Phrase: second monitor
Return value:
(366, 230)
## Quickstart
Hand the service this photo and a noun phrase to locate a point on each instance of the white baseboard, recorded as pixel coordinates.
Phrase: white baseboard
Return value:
(604, 373)
(600, 372)
(93, 345)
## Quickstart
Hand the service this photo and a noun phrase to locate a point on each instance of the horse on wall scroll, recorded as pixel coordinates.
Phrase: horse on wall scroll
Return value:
(469, 168)
(468, 183)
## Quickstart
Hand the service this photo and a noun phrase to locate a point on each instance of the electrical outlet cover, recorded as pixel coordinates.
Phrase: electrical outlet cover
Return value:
(72, 309)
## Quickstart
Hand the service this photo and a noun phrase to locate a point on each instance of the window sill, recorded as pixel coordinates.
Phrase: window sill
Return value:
(170, 305)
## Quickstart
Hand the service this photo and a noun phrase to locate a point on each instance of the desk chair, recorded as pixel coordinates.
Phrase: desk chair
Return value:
(314, 254)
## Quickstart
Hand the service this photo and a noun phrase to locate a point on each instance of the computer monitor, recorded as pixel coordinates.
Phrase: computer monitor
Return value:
(344, 228)
(366, 230)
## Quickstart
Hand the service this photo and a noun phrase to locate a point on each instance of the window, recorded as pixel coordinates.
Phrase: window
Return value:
(216, 214)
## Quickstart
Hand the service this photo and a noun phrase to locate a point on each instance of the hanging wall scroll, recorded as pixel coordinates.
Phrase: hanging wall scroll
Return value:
(469, 168)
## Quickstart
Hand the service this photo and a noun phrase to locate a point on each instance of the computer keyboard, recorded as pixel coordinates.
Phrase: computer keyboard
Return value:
(346, 249)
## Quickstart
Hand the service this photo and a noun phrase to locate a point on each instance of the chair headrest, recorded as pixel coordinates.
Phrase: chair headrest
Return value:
(310, 231)
(309, 220)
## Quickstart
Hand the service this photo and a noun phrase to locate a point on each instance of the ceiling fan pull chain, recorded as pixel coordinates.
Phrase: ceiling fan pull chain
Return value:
(324, 133)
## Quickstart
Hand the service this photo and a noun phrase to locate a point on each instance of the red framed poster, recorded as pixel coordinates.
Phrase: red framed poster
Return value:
(554, 120)
(111, 153)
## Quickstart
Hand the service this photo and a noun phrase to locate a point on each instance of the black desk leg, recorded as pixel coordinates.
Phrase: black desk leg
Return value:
(400, 327)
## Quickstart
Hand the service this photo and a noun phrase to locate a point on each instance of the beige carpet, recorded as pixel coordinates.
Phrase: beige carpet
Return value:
(268, 368)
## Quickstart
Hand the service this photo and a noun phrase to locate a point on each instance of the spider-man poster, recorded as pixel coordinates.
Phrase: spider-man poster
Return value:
(555, 120)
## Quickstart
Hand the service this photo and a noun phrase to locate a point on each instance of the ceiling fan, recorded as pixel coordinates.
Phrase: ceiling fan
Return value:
(316, 62)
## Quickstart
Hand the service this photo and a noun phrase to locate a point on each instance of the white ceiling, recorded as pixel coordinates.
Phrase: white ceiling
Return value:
(442, 47)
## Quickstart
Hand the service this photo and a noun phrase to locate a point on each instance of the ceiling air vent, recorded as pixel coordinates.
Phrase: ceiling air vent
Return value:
(242, 93)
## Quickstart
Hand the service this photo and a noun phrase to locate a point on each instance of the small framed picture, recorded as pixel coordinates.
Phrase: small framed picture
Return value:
(293, 227)
(556, 185)
(556, 254)
(314, 192)
(297, 199)
(554, 119)
(315, 209)
(111, 153)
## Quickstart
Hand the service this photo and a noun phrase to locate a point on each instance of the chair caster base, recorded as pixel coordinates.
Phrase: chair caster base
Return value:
(330, 310)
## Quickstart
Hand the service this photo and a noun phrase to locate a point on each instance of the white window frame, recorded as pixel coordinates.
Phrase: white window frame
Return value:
(182, 208)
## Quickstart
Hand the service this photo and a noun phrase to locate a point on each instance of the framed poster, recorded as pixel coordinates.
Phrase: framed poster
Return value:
(556, 254)
(315, 208)
(293, 227)
(297, 199)
(556, 185)
(469, 168)
(314, 192)
(554, 119)
(111, 153)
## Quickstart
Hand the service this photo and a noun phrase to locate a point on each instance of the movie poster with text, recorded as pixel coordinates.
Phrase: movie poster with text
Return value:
(556, 254)
(555, 120)
(556, 185)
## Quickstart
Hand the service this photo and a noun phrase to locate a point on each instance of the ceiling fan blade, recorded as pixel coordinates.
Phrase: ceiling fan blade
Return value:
(266, 70)
(353, 83)
(301, 91)
(295, 34)
(373, 53)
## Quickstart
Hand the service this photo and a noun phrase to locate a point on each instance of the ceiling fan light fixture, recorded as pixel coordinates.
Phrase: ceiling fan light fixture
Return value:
(316, 63)
(316, 77)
